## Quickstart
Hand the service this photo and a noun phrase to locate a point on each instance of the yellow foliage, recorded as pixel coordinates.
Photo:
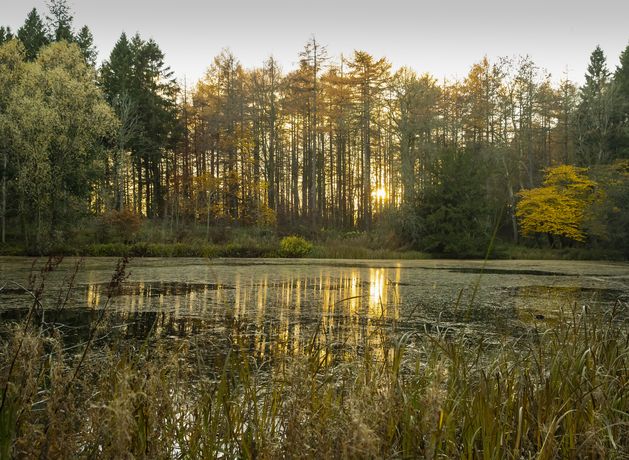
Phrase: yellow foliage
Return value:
(569, 178)
(267, 217)
(558, 208)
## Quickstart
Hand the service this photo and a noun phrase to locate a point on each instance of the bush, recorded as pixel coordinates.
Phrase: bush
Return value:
(119, 226)
(451, 217)
(106, 250)
(12, 250)
(294, 246)
(246, 250)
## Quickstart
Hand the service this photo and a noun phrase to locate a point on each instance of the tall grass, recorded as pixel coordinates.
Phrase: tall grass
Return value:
(558, 392)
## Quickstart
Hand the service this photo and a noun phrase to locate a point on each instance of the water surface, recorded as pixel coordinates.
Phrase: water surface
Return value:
(279, 306)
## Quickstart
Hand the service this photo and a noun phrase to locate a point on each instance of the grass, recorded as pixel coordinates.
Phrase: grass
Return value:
(558, 392)
(348, 251)
(156, 239)
(251, 248)
(233, 249)
(522, 252)
(270, 248)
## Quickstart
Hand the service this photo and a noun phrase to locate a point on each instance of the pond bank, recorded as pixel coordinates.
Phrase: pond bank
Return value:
(270, 249)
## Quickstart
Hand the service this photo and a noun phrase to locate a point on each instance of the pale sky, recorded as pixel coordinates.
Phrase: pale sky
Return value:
(443, 38)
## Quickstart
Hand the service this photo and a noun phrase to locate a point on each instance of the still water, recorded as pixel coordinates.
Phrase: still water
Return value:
(279, 306)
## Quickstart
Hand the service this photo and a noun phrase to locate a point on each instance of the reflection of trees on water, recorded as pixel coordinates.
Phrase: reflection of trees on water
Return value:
(545, 302)
(528, 307)
(282, 312)
(264, 315)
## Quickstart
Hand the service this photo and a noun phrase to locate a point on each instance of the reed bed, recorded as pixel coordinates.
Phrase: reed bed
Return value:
(561, 391)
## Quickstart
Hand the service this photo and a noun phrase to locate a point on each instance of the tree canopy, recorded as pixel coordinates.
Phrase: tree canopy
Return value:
(54, 120)
(560, 207)
(336, 143)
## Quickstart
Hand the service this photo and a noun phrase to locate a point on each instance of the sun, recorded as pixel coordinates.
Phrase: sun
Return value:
(380, 194)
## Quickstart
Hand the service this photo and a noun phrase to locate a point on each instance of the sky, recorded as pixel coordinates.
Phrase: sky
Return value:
(442, 37)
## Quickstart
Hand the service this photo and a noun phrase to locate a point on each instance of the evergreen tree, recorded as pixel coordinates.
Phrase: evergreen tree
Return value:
(613, 214)
(33, 34)
(621, 84)
(451, 213)
(5, 34)
(136, 73)
(595, 116)
(85, 40)
(621, 76)
(117, 72)
(60, 21)
(116, 79)
(597, 75)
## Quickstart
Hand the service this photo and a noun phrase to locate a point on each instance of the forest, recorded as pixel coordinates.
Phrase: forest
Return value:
(340, 148)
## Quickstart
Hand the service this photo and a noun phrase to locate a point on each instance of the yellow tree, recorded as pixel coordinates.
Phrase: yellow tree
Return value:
(481, 88)
(560, 207)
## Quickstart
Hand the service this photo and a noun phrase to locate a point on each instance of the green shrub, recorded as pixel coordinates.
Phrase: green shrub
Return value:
(118, 226)
(246, 250)
(12, 250)
(150, 250)
(106, 250)
(294, 246)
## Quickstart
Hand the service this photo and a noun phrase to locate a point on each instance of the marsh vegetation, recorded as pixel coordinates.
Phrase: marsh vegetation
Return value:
(176, 369)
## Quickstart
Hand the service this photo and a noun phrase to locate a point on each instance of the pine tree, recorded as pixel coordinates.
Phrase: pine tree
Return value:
(5, 34)
(85, 40)
(136, 74)
(621, 76)
(116, 79)
(33, 34)
(596, 113)
(117, 72)
(621, 84)
(597, 75)
(60, 21)
(451, 214)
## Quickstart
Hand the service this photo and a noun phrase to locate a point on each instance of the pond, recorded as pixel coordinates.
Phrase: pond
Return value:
(271, 307)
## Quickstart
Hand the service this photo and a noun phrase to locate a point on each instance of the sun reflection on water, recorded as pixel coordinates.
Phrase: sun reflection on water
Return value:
(272, 313)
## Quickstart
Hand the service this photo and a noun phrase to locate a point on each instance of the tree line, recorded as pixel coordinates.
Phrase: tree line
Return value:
(338, 142)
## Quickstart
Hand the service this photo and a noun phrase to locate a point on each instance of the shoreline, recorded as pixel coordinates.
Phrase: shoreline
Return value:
(319, 251)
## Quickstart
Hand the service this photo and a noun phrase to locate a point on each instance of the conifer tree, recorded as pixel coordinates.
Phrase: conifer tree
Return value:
(597, 75)
(85, 40)
(116, 72)
(451, 215)
(621, 84)
(33, 34)
(595, 113)
(5, 34)
(60, 21)
(116, 75)
(369, 78)
(136, 74)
